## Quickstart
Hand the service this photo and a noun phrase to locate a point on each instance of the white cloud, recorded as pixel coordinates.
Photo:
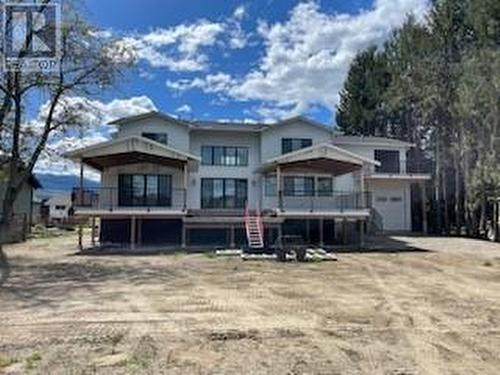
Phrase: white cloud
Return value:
(307, 57)
(93, 115)
(184, 47)
(240, 12)
(186, 109)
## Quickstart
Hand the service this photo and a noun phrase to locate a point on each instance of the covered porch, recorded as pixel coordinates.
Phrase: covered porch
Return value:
(123, 163)
(304, 183)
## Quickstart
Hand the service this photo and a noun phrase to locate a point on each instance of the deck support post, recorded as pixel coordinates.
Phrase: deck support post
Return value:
(344, 232)
(80, 194)
(308, 230)
(232, 244)
(139, 231)
(280, 235)
(362, 233)
(183, 239)
(132, 232)
(92, 232)
(321, 229)
(424, 208)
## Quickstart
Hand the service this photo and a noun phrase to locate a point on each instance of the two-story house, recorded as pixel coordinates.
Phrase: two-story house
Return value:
(166, 181)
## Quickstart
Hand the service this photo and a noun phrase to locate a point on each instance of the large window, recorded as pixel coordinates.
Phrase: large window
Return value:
(224, 155)
(325, 186)
(223, 193)
(271, 186)
(144, 190)
(389, 161)
(298, 186)
(157, 137)
(294, 144)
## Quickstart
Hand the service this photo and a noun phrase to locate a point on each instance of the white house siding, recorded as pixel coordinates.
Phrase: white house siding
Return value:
(201, 138)
(178, 134)
(396, 214)
(271, 138)
(109, 181)
(368, 150)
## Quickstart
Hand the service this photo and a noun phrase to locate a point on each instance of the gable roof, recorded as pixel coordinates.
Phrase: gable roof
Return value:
(326, 150)
(301, 119)
(142, 116)
(127, 146)
(369, 141)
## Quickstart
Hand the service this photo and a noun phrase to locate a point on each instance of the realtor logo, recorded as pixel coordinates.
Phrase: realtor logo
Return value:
(31, 36)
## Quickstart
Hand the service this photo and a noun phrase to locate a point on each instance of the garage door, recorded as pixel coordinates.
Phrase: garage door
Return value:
(391, 208)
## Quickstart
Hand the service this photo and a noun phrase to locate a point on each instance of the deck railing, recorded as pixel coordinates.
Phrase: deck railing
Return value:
(112, 198)
(408, 166)
(320, 201)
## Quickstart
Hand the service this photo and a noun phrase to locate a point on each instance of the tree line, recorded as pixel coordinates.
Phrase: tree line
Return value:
(436, 83)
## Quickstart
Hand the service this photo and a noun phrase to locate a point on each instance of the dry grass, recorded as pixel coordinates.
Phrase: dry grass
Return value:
(422, 312)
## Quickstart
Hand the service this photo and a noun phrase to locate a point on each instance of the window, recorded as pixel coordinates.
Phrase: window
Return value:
(270, 187)
(396, 199)
(223, 193)
(224, 155)
(144, 190)
(157, 137)
(325, 186)
(58, 207)
(381, 199)
(299, 186)
(389, 161)
(294, 144)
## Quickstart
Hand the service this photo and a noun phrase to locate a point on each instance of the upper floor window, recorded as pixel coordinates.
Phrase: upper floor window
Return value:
(294, 144)
(157, 137)
(389, 161)
(224, 155)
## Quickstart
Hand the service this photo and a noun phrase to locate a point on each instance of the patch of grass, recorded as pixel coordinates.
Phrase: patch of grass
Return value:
(137, 362)
(32, 361)
(5, 361)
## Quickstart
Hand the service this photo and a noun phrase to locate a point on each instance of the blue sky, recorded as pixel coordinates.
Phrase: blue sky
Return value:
(232, 65)
(252, 61)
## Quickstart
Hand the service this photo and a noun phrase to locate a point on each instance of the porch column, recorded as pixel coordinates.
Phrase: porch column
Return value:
(424, 207)
(278, 188)
(344, 232)
(321, 229)
(80, 199)
(132, 232)
(362, 187)
(186, 178)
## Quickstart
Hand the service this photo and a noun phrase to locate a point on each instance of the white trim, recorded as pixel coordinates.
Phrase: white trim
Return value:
(132, 143)
(315, 151)
(402, 176)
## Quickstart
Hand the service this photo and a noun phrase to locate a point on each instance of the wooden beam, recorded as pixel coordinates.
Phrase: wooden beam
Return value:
(321, 234)
(132, 232)
(424, 208)
(184, 235)
(278, 187)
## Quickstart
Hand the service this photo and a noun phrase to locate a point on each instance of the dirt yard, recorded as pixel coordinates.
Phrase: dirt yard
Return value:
(433, 311)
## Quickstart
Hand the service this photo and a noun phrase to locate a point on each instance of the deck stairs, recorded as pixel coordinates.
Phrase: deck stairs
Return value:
(254, 229)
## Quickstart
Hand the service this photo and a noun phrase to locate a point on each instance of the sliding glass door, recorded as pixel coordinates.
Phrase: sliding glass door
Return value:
(223, 193)
(145, 190)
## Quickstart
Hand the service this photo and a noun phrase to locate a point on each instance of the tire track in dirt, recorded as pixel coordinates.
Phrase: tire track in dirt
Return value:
(424, 354)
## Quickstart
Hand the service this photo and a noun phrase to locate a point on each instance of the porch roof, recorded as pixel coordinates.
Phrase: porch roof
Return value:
(130, 150)
(324, 157)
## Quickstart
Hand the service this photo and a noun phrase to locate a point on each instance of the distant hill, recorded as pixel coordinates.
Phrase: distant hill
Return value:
(57, 184)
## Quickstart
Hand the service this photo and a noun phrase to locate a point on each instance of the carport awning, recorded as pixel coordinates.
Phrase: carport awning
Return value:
(131, 150)
(325, 158)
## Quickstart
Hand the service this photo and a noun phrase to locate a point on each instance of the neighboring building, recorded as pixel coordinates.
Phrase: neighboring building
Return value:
(166, 181)
(21, 219)
(60, 208)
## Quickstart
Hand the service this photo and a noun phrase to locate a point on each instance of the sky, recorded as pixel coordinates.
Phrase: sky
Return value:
(251, 61)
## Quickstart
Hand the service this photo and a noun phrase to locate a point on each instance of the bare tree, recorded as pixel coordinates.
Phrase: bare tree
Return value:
(88, 64)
